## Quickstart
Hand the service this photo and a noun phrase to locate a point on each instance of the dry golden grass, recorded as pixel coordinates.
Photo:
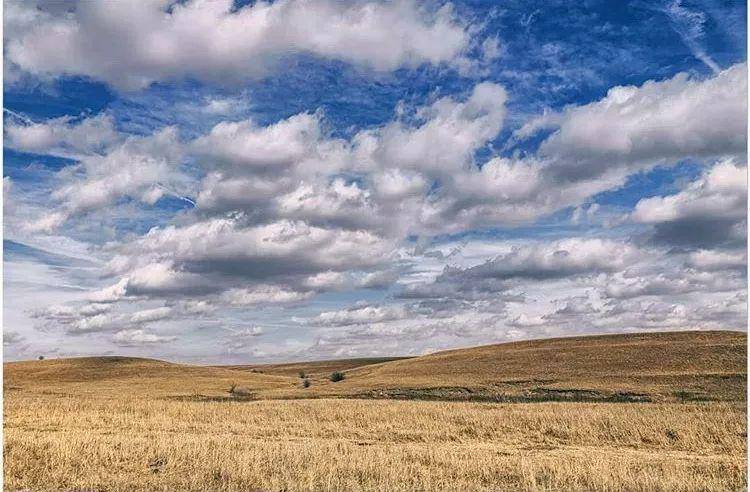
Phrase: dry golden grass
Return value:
(129, 376)
(100, 443)
(700, 365)
(138, 424)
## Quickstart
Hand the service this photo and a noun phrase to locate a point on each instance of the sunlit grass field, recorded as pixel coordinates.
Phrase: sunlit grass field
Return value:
(136, 424)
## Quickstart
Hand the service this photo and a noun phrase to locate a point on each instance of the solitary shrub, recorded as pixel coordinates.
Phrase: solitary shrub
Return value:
(337, 376)
(302, 374)
(41, 357)
(239, 391)
(305, 383)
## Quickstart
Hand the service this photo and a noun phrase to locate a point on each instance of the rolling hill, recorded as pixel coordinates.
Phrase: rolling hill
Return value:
(693, 365)
(314, 368)
(688, 366)
(112, 376)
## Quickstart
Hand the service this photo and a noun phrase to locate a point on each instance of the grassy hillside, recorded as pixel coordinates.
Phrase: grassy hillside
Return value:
(688, 366)
(122, 424)
(657, 366)
(131, 376)
(314, 368)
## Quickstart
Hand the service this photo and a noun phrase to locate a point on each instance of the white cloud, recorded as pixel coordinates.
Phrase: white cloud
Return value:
(261, 251)
(249, 148)
(326, 281)
(379, 279)
(285, 211)
(690, 25)
(197, 307)
(140, 168)
(110, 293)
(96, 323)
(12, 337)
(131, 44)
(450, 133)
(253, 331)
(710, 210)
(709, 260)
(360, 315)
(565, 258)
(149, 315)
(719, 194)
(635, 127)
(264, 294)
(131, 338)
(670, 283)
(62, 136)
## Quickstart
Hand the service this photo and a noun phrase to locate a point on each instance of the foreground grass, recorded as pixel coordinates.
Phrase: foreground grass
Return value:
(94, 442)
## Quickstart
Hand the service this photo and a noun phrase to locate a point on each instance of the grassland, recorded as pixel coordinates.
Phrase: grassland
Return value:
(138, 424)
(319, 368)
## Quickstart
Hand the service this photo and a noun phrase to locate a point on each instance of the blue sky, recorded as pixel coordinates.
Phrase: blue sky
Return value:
(208, 182)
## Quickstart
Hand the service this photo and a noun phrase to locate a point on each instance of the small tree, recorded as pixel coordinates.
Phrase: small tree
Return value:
(41, 357)
(337, 376)
(302, 375)
(305, 383)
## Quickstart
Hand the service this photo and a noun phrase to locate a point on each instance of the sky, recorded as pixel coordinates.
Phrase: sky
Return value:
(229, 182)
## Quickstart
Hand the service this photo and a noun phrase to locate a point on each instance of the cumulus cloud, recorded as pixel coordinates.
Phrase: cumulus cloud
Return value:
(285, 211)
(636, 127)
(242, 339)
(494, 285)
(97, 317)
(710, 260)
(264, 294)
(360, 315)
(135, 338)
(198, 307)
(12, 337)
(63, 136)
(670, 283)
(711, 210)
(232, 248)
(247, 148)
(379, 279)
(141, 168)
(75, 319)
(110, 293)
(420, 176)
(253, 331)
(292, 169)
(132, 44)
(566, 258)
(148, 315)
(449, 133)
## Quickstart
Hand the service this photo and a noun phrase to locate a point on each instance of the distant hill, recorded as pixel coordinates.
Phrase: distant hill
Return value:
(683, 366)
(130, 375)
(314, 368)
(690, 365)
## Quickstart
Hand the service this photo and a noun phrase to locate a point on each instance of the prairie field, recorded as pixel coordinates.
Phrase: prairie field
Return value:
(139, 424)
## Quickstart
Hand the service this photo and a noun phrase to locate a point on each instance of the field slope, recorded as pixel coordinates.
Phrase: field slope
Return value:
(691, 365)
(684, 366)
(132, 376)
